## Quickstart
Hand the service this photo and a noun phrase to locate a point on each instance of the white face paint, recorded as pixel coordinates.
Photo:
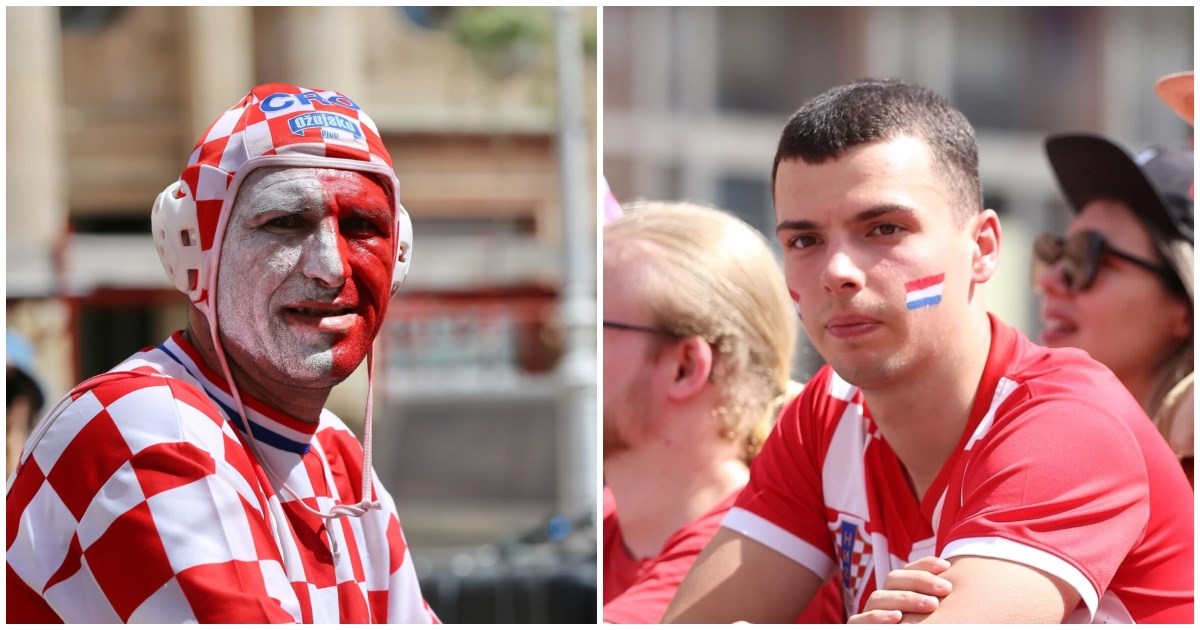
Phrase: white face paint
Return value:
(297, 300)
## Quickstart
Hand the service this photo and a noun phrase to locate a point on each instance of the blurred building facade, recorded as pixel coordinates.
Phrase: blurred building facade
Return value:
(104, 106)
(694, 99)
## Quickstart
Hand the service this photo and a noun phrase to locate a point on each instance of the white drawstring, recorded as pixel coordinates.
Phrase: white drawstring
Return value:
(337, 511)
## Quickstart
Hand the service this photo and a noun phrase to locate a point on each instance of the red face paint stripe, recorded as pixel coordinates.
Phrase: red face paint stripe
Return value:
(924, 283)
(366, 265)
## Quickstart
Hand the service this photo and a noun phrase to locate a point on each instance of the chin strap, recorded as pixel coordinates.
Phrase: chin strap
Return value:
(366, 505)
(337, 511)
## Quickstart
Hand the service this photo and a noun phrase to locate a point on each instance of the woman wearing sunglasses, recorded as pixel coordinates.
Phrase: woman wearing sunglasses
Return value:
(1118, 284)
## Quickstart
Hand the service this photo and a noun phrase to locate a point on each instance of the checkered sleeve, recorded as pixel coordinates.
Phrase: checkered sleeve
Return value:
(139, 504)
(405, 604)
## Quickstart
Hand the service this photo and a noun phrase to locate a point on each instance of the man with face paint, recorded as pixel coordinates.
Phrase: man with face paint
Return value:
(202, 479)
(1017, 483)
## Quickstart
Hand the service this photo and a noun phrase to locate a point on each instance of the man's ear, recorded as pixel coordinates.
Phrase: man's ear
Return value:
(986, 250)
(691, 361)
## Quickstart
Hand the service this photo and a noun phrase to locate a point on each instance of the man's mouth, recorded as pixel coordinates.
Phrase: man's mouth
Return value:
(849, 326)
(326, 318)
(1056, 328)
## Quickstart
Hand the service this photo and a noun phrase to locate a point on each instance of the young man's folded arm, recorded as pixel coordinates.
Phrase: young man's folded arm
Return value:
(991, 590)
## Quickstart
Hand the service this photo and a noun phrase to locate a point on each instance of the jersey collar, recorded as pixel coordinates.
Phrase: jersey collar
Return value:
(270, 426)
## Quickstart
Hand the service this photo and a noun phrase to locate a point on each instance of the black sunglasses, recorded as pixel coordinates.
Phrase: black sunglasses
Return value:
(1082, 253)
(657, 331)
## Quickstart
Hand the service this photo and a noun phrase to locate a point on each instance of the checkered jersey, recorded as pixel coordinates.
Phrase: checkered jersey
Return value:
(142, 502)
(1058, 469)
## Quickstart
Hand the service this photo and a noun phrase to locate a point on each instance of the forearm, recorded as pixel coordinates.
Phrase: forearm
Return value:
(969, 590)
(738, 579)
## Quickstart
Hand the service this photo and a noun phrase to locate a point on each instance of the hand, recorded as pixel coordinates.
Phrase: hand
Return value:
(914, 590)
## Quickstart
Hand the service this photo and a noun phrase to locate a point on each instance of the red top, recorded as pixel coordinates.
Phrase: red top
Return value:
(638, 591)
(1058, 468)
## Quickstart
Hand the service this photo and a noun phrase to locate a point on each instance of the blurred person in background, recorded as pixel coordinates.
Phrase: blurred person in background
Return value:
(202, 479)
(24, 394)
(1178, 91)
(612, 208)
(935, 429)
(698, 338)
(1119, 283)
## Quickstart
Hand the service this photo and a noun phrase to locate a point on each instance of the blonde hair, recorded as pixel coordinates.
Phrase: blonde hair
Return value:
(765, 424)
(1180, 362)
(711, 275)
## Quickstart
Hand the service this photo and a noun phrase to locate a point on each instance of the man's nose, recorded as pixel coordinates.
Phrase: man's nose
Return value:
(323, 258)
(842, 275)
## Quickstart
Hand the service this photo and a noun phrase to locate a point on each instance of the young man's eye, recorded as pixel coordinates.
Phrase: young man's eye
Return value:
(802, 241)
(886, 229)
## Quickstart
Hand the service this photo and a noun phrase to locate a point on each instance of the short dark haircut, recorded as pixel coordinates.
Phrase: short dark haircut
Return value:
(878, 110)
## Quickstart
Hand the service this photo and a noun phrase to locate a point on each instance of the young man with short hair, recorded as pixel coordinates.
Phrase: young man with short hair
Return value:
(936, 429)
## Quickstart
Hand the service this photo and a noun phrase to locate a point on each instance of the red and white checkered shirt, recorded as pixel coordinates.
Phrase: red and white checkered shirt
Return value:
(142, 502)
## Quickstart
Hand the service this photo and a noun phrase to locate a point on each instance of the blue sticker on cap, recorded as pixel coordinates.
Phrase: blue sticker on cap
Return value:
(325, 121)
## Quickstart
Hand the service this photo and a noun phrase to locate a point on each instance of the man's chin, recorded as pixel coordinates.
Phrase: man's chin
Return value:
(326, 372)
(885, 372)
(317, 368)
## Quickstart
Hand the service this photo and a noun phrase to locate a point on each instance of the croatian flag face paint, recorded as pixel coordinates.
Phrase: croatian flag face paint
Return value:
(796, 303)
(924, 291)
(305, 273)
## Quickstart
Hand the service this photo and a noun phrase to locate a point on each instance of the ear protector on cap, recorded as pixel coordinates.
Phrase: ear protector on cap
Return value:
(176, 230)
(177, 238)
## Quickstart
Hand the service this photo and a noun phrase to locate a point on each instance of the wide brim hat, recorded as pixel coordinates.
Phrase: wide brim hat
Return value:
(1178, 92)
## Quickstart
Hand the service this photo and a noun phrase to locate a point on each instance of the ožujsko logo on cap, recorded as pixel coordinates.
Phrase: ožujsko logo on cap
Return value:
(323, 120)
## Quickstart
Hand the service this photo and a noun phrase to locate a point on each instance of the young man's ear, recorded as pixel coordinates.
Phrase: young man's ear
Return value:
(691, 360)
(986, 251)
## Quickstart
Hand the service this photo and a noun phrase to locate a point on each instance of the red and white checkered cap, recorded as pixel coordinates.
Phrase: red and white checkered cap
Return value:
(274, 125)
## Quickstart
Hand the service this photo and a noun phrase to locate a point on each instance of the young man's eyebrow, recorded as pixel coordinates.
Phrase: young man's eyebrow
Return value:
(796, 224)
(879, 211)
(865, 215)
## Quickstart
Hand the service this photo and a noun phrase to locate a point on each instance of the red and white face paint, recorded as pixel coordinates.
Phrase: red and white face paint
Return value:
(305, 274)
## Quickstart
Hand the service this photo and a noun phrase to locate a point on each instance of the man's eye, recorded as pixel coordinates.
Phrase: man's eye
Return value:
(359, 225)
(802, 241)
(285, 222)
(886, 229)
